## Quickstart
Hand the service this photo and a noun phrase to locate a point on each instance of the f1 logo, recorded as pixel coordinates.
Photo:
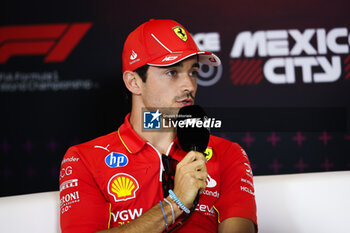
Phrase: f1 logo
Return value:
(56, 41)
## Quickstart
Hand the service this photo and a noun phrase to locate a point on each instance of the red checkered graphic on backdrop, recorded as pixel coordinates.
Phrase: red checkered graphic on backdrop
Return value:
(246, 71)
(347, 67)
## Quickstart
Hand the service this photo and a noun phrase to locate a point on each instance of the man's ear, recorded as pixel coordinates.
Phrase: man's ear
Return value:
(132, 82)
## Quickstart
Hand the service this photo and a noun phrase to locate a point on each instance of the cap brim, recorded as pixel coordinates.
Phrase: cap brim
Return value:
(169, 59)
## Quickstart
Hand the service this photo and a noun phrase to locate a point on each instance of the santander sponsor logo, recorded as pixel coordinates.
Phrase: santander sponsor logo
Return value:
(133, 55)
(211, 193)
(211, 183)
(70, 159)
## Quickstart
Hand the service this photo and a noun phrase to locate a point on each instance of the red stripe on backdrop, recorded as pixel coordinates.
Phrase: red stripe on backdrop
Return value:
(347, 76)
(347, 68)
(243, 73)
(234, 64)
(347, 59)
(254, 76)
(248, 75)
(239, 69)
(260, 77)
(258, 80)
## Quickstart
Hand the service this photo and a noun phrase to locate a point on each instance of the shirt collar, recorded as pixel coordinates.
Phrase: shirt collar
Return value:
(130, 139)
(133, 143)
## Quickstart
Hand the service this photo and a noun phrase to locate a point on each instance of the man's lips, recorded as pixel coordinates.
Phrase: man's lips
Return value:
(185, 102)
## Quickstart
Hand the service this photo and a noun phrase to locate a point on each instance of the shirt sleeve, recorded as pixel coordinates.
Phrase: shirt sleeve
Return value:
(237, 198)
(83, 208)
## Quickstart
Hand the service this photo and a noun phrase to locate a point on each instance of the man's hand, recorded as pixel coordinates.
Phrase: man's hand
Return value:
(191, 174)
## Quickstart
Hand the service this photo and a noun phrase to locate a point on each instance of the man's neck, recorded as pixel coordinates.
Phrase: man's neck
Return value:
(161, 140)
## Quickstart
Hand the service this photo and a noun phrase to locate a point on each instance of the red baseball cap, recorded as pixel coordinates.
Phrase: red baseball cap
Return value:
(162, 42)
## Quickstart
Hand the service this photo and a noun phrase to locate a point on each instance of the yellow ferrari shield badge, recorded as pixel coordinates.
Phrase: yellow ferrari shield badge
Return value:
(180, 32)
(208, 153)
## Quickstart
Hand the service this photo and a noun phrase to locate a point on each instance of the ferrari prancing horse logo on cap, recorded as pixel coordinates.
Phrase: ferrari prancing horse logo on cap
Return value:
(180, 32)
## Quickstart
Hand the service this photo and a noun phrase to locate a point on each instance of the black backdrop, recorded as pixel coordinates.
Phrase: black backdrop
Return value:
(283, 88)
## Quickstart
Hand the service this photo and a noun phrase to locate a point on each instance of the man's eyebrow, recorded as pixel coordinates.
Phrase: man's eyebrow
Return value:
(180, 64)
(196, 65)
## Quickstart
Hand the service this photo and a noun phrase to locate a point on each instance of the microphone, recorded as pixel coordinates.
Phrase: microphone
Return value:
(191, 136)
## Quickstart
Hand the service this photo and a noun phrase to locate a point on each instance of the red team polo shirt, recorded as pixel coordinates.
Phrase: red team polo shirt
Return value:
(115, 178)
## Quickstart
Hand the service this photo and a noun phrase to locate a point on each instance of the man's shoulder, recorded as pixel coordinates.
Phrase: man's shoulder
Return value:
(215, 141)
(223, 147)
(108, 138)
(100, 144)
(93, 153)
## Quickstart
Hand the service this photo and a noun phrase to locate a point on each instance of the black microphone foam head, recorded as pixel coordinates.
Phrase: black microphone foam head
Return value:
(192, 137)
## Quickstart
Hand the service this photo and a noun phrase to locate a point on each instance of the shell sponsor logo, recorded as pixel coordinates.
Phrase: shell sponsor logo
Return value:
(122, 187)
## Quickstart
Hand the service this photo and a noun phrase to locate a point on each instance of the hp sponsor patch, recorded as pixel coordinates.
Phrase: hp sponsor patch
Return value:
(116, 160)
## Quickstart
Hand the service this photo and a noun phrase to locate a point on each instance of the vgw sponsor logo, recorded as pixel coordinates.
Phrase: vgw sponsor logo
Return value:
(316, 52)
(126, 215)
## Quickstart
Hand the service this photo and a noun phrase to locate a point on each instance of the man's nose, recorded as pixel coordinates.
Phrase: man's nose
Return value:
(188, 83)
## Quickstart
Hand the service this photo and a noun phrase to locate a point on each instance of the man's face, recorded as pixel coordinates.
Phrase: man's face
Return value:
(172, 86)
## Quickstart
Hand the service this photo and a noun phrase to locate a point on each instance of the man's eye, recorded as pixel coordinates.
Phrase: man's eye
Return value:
(171, 73)
(194, 73)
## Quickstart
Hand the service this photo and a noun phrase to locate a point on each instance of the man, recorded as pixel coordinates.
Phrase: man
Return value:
(114, 183)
